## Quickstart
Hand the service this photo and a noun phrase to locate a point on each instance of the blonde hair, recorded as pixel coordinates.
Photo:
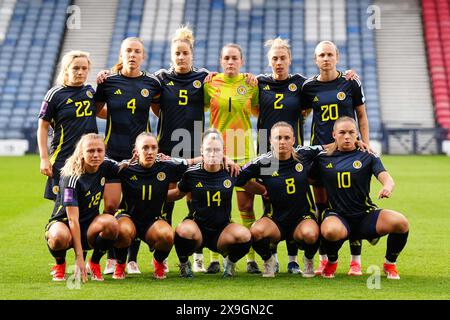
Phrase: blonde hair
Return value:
(74, 165)
(277, 43)
(184, 34)
(212, 134)
(119, 65)
(327, 42)
(284, 125)
(143, 135)
(334, 146)
(66, 60)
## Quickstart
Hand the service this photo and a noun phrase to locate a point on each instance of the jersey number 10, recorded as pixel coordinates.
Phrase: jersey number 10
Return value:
(344, 180)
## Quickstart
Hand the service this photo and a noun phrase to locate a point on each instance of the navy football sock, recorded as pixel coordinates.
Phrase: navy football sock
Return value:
(184, 248)
(395, 244)
(133, 250)
(237, 250)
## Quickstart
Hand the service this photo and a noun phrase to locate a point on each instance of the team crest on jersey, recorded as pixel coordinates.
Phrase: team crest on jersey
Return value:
(161, 176)
(227, 183)
(197, 84)
(241, 90)
(357, 164)
(341, 95)
(292, 87)
(55, 189)
(299, 167)
(144, 93)
(102, 181)
(89, 94)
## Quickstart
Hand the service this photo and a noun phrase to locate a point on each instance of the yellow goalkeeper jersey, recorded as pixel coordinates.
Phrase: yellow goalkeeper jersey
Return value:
(232, 102)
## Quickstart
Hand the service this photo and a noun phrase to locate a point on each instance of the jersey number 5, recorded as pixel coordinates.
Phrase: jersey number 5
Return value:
(183, 98)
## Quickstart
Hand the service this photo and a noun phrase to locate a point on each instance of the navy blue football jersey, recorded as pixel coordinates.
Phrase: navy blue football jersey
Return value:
(329, 101)
(212, 194)
(182, 117)
(279, 101)
(145, 189)
(128, 102)
(71, 112)
(84, 192)
(346, 177)
(286, 182)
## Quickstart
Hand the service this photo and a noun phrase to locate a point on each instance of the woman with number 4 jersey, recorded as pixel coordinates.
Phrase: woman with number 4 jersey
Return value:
(126, 96)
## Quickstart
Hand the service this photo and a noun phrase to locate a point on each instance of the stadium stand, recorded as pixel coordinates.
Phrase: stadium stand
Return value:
(34, 32)
(436, 19)
(28, 56)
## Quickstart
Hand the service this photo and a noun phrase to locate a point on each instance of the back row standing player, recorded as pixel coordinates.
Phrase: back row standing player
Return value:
(330, 96)
(280, 100)
(69, 109)
(232, 102)
(126, 98)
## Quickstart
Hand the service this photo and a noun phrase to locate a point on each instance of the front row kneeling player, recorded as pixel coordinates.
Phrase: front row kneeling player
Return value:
(75, 221)
(210, 224)
(346, 173)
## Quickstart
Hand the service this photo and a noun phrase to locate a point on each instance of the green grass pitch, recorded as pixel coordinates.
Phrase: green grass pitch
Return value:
(422, 194)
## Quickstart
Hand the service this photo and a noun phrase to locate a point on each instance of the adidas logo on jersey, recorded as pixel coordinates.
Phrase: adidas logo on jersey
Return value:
(316, 99)
(266, 87)
(199, 185)
(69, 101)
(118, 91)
(133, 178)
(275, 174)
(170, 83)
(329, 166)
(88, 194)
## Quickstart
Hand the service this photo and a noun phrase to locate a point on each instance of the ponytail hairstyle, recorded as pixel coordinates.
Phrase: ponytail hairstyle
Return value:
(66, 61)
(334, 146)
(74, 165)
(285, 125)
(184, 34)
(278, 43)
(119, 65)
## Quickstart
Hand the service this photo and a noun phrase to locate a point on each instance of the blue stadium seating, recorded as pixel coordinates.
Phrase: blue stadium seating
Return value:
(33, 27)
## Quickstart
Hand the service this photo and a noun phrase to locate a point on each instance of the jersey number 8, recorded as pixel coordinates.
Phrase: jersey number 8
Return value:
(290, 185)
